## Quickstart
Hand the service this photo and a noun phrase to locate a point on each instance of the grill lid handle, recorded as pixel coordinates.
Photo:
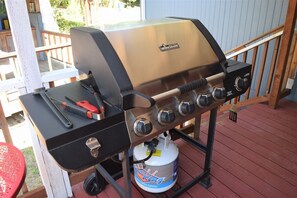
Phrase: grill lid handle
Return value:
(188, 87)
(133, 98)
(192, 85)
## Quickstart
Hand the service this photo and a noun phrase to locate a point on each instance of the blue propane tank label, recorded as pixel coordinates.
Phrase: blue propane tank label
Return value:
(156, 177)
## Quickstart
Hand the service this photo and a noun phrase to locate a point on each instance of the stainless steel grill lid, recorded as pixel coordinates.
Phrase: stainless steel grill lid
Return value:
(128, 55)
(155, 49)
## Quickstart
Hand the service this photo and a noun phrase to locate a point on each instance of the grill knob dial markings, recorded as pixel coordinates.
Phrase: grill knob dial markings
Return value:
(219, 93)
(204, 100)
(166, 116)
(241, 83)
(142, 127)
(186, 107)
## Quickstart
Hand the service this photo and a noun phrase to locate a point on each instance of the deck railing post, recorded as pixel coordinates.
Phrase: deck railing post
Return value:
(284, 53)
(4, 126)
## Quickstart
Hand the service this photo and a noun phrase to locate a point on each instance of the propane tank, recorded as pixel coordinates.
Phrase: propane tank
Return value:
(158, 173)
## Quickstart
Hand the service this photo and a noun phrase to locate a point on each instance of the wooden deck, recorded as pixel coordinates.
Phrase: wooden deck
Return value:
(255, 157)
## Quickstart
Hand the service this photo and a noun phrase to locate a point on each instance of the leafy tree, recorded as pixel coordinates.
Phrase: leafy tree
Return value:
(131, 3)
(60, 3)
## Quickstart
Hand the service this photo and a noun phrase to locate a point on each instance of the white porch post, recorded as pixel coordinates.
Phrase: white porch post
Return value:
(142, 9)
(47, 16)
(55, 180)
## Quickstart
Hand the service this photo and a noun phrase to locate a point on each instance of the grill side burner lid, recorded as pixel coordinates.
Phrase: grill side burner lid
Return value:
(122, 57)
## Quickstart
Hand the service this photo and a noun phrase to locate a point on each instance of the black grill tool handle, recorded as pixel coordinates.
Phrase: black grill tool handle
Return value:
(97, 96)
(99, 101)
(55, 109)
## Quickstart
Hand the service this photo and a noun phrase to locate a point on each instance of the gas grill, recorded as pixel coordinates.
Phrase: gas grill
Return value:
(153, 76)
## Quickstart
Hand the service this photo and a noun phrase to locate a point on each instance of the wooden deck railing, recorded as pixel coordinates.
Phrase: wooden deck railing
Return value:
(263, 63)
(63, 54)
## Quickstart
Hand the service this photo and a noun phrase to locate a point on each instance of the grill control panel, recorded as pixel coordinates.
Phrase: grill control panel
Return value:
(148, 123)
(238, 79)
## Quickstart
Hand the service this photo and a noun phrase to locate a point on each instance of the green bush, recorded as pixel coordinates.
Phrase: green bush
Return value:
(131, 3)
(65, 25)
(59, 3)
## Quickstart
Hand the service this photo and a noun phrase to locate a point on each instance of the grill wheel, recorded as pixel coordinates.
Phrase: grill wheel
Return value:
(92, 186)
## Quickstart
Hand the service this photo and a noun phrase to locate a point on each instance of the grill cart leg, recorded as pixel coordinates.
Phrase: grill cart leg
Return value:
(197, 126)
(209, 147)
(204, 177)
(126, 174)
(123, 192)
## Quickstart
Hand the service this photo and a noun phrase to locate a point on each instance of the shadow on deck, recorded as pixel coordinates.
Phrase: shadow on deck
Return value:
(255, 157)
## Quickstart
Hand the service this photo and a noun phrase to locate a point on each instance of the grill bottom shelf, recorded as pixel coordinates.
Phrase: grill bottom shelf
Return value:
(109, 171)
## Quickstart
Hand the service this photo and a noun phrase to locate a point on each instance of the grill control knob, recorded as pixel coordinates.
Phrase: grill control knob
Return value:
(204, 100)
(219, 93)
(186, 107)
(142, 127)
(166, 116)
(241, 83)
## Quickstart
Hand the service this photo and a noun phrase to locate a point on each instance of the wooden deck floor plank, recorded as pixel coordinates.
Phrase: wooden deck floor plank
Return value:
(197, 190)
(183, 178)
(248, 177)
(112, 193)
(285, 129)
(254, 139)
(288, 105)
(78, 192)
(270, 125)
(275, 115)
(268, 128)
(282, 143)
(264, 152)
(232, 182)
(236, 159)
(218, 189)
(256, 158)
(286, 113)
(142, 192)
(253, 181)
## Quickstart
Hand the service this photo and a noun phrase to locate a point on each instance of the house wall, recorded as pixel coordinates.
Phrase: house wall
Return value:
(231, 22)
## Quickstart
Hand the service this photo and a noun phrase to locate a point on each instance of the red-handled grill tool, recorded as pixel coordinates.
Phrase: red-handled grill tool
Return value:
(84, 104)
(78, 110)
